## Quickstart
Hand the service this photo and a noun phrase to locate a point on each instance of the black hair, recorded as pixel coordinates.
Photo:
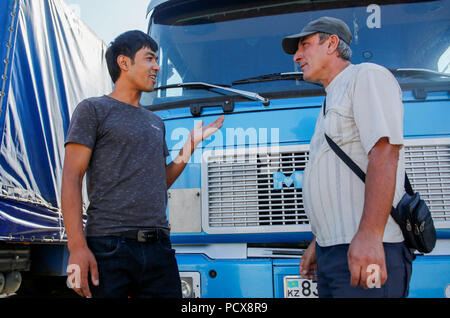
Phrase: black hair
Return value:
(127, 44)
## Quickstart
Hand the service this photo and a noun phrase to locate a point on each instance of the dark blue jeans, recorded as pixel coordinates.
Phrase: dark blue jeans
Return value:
(128, 268)
(333, 274)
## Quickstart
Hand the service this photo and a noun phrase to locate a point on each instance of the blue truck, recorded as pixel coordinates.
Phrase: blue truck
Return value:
(49, 61)
(237, 217)
(236, 213)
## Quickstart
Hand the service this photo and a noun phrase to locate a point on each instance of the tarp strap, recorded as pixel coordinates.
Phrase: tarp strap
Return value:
(7, 60)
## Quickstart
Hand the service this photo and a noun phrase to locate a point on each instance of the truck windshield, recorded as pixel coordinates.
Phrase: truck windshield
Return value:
(223, 42)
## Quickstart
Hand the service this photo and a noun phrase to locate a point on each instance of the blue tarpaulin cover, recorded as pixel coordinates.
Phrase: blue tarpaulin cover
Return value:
(50, 61)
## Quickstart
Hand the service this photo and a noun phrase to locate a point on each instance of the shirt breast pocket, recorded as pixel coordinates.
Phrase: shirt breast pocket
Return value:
(339, 123)
(154, 137)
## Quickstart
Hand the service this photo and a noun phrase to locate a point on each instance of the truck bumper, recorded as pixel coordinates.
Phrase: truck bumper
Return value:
(263, 278)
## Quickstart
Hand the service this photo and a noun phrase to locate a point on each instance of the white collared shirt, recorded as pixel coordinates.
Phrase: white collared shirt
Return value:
(364, 104)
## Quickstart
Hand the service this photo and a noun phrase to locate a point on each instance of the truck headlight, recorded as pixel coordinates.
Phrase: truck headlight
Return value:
(187, 288)
(190, 284)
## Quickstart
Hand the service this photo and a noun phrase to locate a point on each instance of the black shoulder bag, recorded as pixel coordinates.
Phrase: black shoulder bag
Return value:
(411, 214)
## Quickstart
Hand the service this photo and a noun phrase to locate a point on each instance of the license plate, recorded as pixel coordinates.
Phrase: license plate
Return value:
(298, 287)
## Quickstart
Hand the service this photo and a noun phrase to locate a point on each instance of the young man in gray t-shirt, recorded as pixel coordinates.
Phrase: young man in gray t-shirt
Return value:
(121, 148)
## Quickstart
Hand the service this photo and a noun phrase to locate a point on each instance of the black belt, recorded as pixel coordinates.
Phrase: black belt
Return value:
(143, 236)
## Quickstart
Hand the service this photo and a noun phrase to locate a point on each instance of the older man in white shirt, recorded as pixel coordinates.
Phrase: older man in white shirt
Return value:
(355, 236)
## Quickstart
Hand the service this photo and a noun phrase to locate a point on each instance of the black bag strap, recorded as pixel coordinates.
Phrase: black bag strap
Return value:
(352, 165)
(408, 186)
(347, 160)
(355, 168)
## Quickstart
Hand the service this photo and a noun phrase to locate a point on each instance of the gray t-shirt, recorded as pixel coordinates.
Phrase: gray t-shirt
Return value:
(126, 176)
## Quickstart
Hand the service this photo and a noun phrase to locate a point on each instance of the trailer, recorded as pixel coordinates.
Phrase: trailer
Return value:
(49, 62)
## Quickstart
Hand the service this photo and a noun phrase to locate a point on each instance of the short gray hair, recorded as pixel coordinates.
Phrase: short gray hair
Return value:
(344, 51)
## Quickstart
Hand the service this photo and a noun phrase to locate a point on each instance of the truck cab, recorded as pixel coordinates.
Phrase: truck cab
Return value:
(237, 217)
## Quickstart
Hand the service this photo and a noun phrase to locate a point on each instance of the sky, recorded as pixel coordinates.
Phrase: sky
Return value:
(109, 18)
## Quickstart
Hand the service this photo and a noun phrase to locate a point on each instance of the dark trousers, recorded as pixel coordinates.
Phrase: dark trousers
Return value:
(128, 268)
(333, 275)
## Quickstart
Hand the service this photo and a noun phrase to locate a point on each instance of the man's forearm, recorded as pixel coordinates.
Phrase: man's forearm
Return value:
(176, 167)
(196, 136)
(71, 204)
(380, 188)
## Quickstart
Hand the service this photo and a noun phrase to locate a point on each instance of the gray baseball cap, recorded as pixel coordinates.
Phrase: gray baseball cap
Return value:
(324, 24)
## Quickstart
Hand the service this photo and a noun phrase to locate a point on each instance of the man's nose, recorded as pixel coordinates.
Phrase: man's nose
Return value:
(156, 66)
(298, 55)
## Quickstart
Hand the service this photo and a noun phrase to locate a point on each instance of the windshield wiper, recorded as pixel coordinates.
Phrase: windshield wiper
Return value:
(270, 77)
(285, 76)
(400, 72)
(201, 85)
(431, 81)
(419, 73)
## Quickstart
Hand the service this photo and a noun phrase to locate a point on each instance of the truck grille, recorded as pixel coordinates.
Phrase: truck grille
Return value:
(239, 195)
(427, 163)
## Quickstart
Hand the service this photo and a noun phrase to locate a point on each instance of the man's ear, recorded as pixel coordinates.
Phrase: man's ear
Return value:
(333, 43)
(123, 62)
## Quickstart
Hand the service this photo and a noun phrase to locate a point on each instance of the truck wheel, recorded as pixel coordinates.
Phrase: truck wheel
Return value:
(2, 282)
(12, 282)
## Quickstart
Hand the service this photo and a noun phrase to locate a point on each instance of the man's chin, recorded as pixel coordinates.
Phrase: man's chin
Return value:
(309, 78)
(148, 89)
